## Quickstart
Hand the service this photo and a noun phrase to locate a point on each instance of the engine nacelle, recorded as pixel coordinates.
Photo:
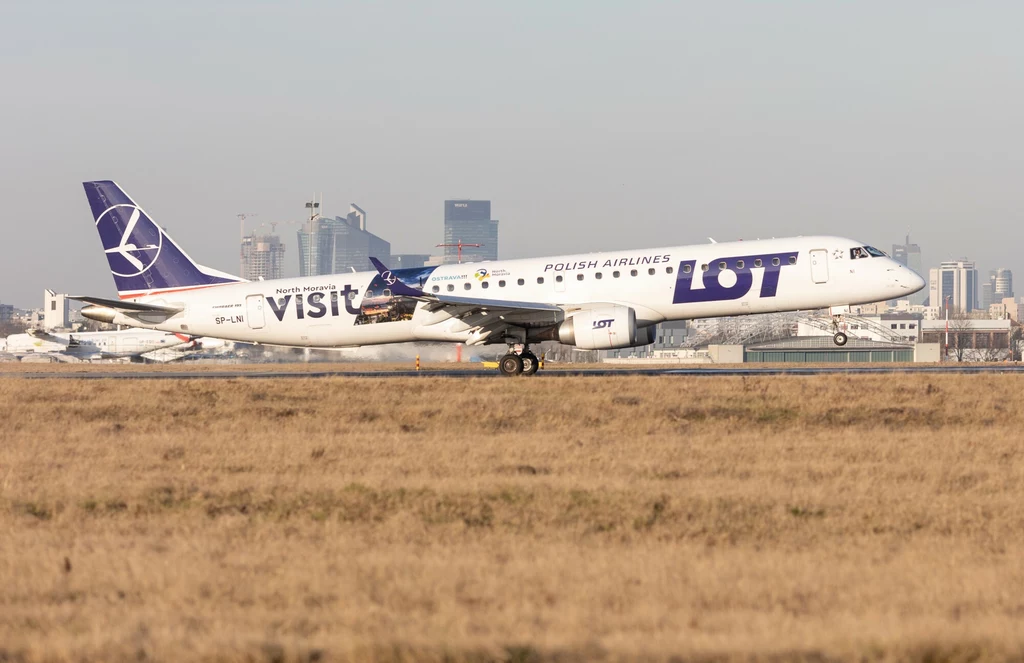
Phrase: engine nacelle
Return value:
(603, 329)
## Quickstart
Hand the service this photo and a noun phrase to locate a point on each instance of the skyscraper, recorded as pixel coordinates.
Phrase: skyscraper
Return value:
(262, 257)
(1003, 284)
(909, 254)
(986, 292)
(469, 222)
(334, 246)
(958, 280)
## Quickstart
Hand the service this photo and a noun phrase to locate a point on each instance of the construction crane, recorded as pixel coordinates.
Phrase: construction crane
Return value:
(460, 245)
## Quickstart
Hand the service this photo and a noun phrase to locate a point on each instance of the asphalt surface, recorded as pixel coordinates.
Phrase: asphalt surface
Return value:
(939, 369)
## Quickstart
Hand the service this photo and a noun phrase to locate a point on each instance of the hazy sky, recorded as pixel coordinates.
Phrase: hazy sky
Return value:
(590, 125)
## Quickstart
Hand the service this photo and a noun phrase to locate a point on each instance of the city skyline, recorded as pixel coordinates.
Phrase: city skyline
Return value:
(694, 120)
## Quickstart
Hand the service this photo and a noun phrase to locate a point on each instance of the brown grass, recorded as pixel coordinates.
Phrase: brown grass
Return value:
(864, 517)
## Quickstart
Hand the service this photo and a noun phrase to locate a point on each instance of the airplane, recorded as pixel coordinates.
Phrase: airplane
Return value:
(95, 345)
(596, 301)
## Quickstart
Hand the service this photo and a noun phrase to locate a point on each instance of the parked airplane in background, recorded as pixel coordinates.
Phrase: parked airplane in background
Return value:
(95, 345)
(596, 301)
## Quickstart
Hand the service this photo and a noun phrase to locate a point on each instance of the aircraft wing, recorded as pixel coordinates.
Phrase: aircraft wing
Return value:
(439, 302)
(126, 307)
(48, 337)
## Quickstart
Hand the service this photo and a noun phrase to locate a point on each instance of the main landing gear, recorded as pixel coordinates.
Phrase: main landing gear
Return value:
(524, 363)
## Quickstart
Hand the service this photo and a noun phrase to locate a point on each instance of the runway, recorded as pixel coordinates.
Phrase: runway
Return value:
(704, 372)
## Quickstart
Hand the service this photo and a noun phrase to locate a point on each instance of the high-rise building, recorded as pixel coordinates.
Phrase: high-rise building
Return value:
(909, 254)
(262, 257)
(333, 246)
(6, 312)
(987, 294)
(469, 222)
(1003, 284)
(958, 280)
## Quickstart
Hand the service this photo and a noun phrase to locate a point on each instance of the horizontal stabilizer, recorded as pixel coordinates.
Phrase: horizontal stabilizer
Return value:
(127, 307)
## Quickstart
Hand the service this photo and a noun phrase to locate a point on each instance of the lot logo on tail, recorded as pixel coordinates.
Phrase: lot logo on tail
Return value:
(131, 240)
(731, 277)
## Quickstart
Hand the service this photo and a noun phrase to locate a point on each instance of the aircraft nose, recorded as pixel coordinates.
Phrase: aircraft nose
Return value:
(918, 281)
(909, 279)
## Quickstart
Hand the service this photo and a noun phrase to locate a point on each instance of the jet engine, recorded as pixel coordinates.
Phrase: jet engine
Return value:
(604, 329)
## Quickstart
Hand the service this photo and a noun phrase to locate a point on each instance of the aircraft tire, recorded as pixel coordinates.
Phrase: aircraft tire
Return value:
(511, 364)
(840, 339)
(530, 363)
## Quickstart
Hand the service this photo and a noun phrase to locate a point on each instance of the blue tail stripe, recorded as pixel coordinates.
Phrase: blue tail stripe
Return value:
(141, 256)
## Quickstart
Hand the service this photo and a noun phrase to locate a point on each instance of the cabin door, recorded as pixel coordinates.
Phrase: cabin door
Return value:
(254, 311)
(819, 266)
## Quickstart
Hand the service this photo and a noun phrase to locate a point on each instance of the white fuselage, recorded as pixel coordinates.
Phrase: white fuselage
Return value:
(95, 345)
(673, 283)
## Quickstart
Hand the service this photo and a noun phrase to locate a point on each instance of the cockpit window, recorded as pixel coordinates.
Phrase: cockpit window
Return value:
(865, 252)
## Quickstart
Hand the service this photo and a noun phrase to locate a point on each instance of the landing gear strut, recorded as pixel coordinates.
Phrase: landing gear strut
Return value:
(839, 338)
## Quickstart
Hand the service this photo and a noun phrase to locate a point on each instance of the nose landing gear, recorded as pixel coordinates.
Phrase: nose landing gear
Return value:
(839, 338)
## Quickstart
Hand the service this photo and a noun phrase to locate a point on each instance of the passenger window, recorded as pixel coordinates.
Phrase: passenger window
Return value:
(739, 264)
(723, 265)
(776, 262)
(668, 270)
(435, 289)
(615, 275)
(792, 260)
(451, 287)
(540, 279)
(467, 286)
(704, 267)
(632, 272)
(521, 282)
(501, 284)
(597, 275)
(579, 277)
(485, 285)
(687, 269)
(386, 293)
(651, 271)
(558, 279)
(757, 262)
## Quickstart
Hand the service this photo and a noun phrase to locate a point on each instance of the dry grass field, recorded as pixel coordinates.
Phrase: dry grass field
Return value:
(854, 518)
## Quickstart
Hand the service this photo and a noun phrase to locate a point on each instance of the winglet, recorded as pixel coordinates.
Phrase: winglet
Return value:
(393, 281)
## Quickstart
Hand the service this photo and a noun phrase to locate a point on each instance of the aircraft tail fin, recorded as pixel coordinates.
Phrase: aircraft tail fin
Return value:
(143, 259)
